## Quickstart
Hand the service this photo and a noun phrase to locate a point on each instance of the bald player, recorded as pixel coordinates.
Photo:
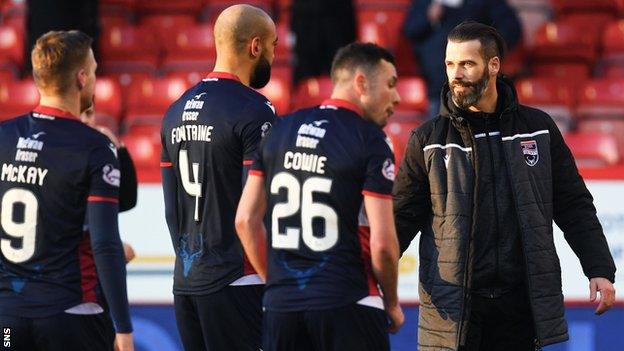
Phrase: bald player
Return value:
(209, 136)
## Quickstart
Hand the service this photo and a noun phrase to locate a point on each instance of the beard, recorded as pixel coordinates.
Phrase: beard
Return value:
(473, 92)
(261, 74)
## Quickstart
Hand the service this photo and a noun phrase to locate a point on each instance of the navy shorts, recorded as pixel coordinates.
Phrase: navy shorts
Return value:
(61, 332)
(229, 319)
(352, 327)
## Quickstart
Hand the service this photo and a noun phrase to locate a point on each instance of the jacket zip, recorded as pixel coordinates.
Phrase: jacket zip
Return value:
(494, 200)
(472, 219)
(526, 262)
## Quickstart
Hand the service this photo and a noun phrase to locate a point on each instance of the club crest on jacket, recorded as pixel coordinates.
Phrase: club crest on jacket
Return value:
(529, 149)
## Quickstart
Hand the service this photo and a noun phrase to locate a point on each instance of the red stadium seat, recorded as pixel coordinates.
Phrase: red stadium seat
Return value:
(406, 61)
(164, 23)
(584, 6)
(613, 48)
(11, 47)
(579, 72)
(149, 99)
(614, 127)
(278, 89)
(125, 79)
(285, 42)
(17, 98)
(311, 92)
(123, 8)
(214, 7)
(602, 98)
(593, 150)
(168, 6)
(514, 62)
(108, 21)
(128, 48)
(399, 132)
(613, 71)
(144, 146)
(381, 26)
(191, 77)
(189, 49)
(565, 42)
(550, 96)
(7, 74)
(108, 102)
(382, 4)
(413, 92)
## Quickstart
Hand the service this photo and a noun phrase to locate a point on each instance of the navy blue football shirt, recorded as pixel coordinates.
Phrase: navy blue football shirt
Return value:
(318, 164)
(52, 166)
(209, 135)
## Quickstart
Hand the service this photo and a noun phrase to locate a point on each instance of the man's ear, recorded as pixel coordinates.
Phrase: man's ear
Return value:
(81, 78)
(494, 66)
(255, 47)
(360, 83)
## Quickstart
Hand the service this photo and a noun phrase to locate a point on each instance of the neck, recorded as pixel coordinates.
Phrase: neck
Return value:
(348, 95)
(235, 67)
(65, 103)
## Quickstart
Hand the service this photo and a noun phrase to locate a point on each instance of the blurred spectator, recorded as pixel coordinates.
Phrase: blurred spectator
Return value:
(428, 23)
(320, 28)
(45, 15)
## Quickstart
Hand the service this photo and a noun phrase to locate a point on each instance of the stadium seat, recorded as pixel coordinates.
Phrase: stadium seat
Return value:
(191, 77)
(381, 26)
(550, 96)
(149, 99)
(11, 48)
(593, 150)
(14, 14)
(143, 144)
(514, 62)
(108, 103)
(406, 61)
(382, 4)
(561, 70)
(7, 74)
(602, 98)
(311, 92)
(164, 23)
(125, 79)
(124, 8)
(108, 21)
(614, 127)
(214, 7)
(285, 43)
(129, 48)
(189, 49)
(399, 132)
(565, 42)
(278, 89)
(17, 97)
(168, 6)
(583, 6)
(413, 92)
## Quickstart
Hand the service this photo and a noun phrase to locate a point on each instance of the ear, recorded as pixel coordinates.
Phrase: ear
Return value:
(360, 83)
(81, 78)
(255, 47)
(494, 66)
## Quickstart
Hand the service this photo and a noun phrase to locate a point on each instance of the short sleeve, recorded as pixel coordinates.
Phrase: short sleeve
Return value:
(104, 174)
(259, 120)
(380, 170)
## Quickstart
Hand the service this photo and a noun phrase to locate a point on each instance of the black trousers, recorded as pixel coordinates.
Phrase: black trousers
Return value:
(62, 332)
(501, 323)
(227, 320)
(353, 327)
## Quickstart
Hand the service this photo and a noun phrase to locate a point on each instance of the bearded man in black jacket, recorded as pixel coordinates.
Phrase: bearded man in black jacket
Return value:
(483, 182)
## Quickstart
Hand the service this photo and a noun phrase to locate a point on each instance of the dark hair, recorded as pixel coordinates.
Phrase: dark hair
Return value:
(56, 56)
(492, 43)
(362, 55)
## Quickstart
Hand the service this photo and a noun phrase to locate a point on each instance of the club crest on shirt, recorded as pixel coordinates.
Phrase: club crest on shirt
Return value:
(111, 175)
(387, 170)
(530, 152)
(264, 130)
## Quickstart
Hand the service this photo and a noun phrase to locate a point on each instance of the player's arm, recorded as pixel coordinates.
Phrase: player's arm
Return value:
(102, 211)
(250, 225)
(384, 248)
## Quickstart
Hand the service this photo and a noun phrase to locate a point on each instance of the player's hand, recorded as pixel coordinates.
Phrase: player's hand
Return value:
(109, 133)
(607, 294)
(395, 313)
(123, 342)
(128, 252)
